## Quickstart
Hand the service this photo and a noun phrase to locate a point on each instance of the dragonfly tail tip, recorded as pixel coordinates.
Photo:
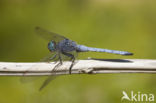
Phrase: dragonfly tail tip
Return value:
(128, 54)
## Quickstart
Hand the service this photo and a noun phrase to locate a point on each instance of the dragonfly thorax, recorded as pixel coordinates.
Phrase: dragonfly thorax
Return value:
(52, 46)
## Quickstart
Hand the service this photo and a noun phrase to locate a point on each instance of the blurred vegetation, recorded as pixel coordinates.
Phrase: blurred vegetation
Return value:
(114, 24)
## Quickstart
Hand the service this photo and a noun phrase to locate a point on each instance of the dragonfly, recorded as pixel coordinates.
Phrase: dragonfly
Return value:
(59, 45)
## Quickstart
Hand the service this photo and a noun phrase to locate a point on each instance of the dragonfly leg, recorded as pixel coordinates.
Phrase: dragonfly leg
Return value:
(53, 57)
(48, 58)
(56, 60)
(60, 62)
(60, 59)
(72, 59)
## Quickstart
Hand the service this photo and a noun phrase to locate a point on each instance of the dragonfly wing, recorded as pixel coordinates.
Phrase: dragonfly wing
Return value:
(53, 72)
(26, 79)
(47, 81)
(51, 77)
(49, 35)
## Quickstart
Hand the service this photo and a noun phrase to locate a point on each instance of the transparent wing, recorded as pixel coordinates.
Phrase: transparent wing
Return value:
(53, 76)
(49, 35)
(47, 81)
(48, 58)
(28, 79)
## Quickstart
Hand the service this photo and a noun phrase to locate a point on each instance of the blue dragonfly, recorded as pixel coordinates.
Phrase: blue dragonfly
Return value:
(59, 45)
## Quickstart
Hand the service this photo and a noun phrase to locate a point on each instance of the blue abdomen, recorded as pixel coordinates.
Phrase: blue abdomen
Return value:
(82, 48)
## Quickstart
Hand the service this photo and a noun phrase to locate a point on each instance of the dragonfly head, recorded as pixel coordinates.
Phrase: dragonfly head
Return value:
(52, 46)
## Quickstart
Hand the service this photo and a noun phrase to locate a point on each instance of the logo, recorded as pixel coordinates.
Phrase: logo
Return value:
(137, 96)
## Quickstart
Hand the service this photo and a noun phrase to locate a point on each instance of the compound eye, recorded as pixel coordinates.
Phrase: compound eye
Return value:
(51, 46)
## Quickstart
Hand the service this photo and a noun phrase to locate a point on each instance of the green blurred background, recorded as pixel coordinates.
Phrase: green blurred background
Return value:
(113, 24)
